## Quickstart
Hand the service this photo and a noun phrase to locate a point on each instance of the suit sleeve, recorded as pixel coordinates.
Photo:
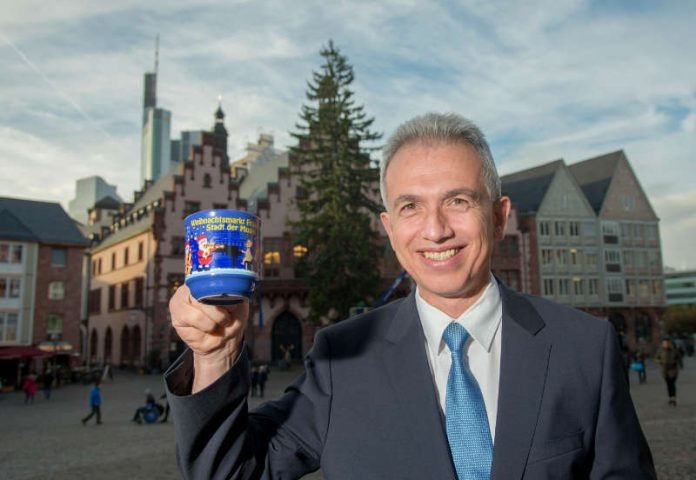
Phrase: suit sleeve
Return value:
(219, 438)
(620, 449)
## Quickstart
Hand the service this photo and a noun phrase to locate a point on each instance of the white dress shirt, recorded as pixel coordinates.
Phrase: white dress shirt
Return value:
(482, 350)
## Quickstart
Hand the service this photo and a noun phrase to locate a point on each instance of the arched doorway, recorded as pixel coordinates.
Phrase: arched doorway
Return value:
(93, 342)
(126, 356)
(108, 341)
(286, 334)
(136, 347)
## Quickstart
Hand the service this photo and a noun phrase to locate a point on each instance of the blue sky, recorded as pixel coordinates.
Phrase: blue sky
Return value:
(544, 79)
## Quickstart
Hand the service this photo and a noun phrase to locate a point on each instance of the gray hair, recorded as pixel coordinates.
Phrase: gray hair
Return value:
(446, 127)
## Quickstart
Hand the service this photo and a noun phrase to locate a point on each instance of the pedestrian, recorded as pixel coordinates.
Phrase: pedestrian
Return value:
(29, 388)
(640, 367)
(94, 403)
(263, 378)
(48, 383)
(150, 411)
(254, 380)
(422, 387)
(669, 359)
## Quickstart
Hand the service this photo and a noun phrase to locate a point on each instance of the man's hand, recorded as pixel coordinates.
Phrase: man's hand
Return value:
(214, 334)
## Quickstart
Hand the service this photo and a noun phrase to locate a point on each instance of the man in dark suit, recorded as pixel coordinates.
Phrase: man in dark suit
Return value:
(462, 379)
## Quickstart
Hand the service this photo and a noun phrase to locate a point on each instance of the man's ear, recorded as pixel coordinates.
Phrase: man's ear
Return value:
(501, 213)
(386, 223)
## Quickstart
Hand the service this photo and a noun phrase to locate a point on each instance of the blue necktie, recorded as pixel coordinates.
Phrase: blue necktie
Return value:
(468, 432)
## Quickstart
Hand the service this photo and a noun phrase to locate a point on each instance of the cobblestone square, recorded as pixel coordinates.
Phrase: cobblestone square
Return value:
(47, 441)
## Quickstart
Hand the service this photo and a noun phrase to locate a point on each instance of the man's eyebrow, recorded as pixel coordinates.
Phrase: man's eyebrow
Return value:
(474, 194)
(407, 198)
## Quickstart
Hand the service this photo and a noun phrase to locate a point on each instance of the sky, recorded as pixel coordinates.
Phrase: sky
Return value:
(544, 79)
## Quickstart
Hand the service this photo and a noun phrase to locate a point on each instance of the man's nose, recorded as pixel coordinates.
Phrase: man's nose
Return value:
(437, 226)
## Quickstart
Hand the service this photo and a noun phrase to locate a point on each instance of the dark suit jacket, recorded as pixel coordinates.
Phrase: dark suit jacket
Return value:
(366, 406)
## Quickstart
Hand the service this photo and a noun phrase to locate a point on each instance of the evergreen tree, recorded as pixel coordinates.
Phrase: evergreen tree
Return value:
(337, 185)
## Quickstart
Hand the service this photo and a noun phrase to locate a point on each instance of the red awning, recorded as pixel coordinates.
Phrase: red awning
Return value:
(22, 352)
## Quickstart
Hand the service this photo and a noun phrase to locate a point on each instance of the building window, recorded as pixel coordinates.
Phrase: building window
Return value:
(508, 246)
(561, 257)
(615, 289)
(544, 229)
(94, 267)
(59, 257)
(610, 232)
(8, 326)
(628, 202)
(653, 259)
(643, 288)
(99, 267)
(591, 260)
(575, 257)
(125, 256)
(548, 286)
(124, 295)
(95, 301)
(141, 251)
(628, 258)
(178, 246)
(631, 288)
(56, 291)
(112, 297)
(113, 261)
(574, 229)
(563, 286)
(657, 287)
(592, 286)
(546, 256)
(191, 207)
(560, 229)
(612, 258)
(299, 251)
(174, 281)
(219, 206)
(271, 257)
(15, 288)
(139, 282)
(10, 253)
(54, 325)
(638, 231)
(626, 230)
(651, 232)
(207, 180)
(578, 286)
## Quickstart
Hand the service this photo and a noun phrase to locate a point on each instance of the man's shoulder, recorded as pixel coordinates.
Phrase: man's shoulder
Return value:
(564, 319)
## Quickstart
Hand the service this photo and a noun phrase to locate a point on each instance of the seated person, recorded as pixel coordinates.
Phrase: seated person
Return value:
(150, 412)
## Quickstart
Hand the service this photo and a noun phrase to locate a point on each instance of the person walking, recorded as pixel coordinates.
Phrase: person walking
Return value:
(669, 358)
(48, 383)
(94, 403)
(29, 388)
(640, 361)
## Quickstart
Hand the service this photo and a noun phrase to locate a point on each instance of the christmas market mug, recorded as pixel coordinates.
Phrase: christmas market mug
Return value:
(222, 255)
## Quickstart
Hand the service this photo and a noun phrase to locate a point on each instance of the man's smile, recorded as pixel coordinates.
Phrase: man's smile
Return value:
(441, 255)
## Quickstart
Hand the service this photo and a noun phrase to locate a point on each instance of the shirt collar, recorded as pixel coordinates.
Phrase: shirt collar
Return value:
(481, 319)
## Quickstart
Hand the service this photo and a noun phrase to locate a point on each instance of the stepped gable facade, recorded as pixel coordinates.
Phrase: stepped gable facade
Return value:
(140, 261)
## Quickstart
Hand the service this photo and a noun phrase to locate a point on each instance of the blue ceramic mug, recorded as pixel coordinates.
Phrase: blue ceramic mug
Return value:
(222, 255)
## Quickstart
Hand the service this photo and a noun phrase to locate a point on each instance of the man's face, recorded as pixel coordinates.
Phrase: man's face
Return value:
(442, 222)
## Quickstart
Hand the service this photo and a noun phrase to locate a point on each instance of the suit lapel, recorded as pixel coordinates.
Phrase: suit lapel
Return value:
(409, 373)
(523, 367)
